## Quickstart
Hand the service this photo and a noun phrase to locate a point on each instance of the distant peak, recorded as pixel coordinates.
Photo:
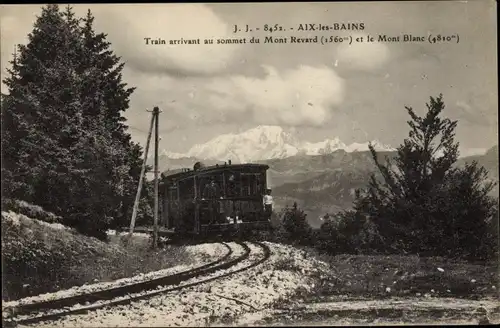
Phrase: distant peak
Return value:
(264, 142)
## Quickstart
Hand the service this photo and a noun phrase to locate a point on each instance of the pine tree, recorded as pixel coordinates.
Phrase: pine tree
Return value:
(424, 204)
(41, 116)
(106, 71)
(295, 225)
(66, 146)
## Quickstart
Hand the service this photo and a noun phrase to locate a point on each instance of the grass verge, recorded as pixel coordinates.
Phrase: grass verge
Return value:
(365, 276)
(39, 257)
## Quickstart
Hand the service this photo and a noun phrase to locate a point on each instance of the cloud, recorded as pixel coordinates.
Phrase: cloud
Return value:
(475, 116)
(128, 25)
(365, 56)
(464, 106)
(302, 96)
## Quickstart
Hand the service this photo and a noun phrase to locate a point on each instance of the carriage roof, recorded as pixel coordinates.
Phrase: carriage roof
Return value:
(186, 173)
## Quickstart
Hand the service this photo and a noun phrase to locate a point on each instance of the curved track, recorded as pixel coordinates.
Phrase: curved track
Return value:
(110, 293)
(123, 291)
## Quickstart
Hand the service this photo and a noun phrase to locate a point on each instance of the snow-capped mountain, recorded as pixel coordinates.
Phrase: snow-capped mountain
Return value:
(364, 147)
(267, 142)
(262, 142)
(323, 147)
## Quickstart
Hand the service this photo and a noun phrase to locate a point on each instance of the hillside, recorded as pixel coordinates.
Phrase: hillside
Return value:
(489, 161)
(302, 168)
(328, 192)
(31, 249)
(326, 183)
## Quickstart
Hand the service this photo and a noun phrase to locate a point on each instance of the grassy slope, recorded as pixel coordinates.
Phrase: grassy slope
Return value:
(374, 276)
(38, 257)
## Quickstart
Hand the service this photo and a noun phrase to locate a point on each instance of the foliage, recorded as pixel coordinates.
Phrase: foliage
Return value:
(423, 204)
(31, 249)
(146, 205)
(30, 210)
(348, 232)
(65, 146)
(294, 225)
(23, 255)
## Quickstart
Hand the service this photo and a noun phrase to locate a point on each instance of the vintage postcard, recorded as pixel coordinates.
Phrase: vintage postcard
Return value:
(250, 164)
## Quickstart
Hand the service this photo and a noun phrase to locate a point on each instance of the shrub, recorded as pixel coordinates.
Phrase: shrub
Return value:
(295, 227)
(30, 210)
(348, 232)
(423, 204)
(27, 261)
(31, 249)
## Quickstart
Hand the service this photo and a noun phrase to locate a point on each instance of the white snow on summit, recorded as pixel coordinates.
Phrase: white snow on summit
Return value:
(267, 142)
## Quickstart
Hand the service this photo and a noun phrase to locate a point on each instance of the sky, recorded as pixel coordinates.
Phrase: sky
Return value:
(356, 92)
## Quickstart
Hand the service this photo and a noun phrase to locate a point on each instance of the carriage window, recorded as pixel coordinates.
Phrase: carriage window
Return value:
(186, 189)
(233, 184)
(245, 185)
(173, 198)
(251, 184)
(206, 191)
(172, 192)
(259, 184)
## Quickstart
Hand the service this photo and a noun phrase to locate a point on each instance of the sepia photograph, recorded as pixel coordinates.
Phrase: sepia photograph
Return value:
(250, 164)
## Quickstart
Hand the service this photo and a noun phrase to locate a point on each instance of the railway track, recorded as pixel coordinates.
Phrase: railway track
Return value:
(27, 314)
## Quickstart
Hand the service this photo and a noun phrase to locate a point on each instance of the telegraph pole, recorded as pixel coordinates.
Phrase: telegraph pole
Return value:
(156, 114)
(141, 177)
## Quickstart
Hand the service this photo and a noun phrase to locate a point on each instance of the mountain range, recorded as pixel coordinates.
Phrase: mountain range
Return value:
(321, 177)
(266, 142)
(331, 189)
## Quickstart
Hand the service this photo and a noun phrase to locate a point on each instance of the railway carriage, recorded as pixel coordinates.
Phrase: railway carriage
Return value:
(214, 199)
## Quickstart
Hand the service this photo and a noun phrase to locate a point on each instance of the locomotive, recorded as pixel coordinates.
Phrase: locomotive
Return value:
(204, 201)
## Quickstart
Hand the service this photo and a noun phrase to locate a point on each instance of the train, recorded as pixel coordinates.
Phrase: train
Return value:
(213, 200)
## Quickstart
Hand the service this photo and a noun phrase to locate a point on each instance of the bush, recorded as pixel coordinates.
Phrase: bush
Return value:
(295, 228)
(30, 210)
(348, 233)
(27, 261)
(31, 249)
(423, 204)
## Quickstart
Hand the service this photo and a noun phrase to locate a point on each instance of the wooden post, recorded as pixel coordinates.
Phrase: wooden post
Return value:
(156, 113)
(168, 206)
(141, 177)
(196, 206)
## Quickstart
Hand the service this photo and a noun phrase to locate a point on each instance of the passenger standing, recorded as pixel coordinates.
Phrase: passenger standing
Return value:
(268, 204)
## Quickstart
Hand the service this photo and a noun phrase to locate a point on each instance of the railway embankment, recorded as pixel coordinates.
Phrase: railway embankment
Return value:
(300, 286)
(40, 257)
(260, 281)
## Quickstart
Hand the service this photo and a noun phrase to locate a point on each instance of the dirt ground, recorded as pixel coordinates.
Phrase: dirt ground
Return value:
(394, 311)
